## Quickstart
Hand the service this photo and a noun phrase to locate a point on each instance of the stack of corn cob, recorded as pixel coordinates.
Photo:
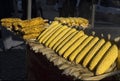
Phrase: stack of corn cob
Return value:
(74, 48)
(29, 29)
(75, 22)
(8, 22)
(91, 52)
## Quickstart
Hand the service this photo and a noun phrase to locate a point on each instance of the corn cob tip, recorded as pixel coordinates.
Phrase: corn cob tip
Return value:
(93, 33)
(109, 36)
(102, 35)
(117, 39)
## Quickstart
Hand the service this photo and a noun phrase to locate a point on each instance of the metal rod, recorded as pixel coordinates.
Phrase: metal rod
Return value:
(93, 15)
(15, 8)
(29, 9)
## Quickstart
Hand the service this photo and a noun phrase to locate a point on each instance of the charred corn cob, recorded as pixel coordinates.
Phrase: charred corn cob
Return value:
(92, 52)
(69, 43)
(109, 58)
(99, 55)
(84, 43)
(74, 46)
(82, 54)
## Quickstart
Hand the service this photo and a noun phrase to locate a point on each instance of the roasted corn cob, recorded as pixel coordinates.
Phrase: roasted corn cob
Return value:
(73, 21)
(30, 36)
(63, 38)
(82, 54)
(45, 35)
(65, 41)
(51, 33)
(109, 58)
(99, 55)
(48, 29)
(69, 43)
(10, 20)
(31, 22)
(92, 52)
(118, 59)
(55, 35)
(74, 46)
(84, 43)
(59, 37)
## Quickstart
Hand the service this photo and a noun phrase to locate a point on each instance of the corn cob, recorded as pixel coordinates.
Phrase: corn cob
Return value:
(65, 41)
(118, 59)
(10, 20)
(99, 55)
(55, 35)
(52, 33)
(8, 25)
(84, 43)
(59, 37)
(74, 46)
(35, 30)
(69, 43)
(50, 28)
(46, 36)
(82, 54)
(92, 52)
(73, 21)
(31, 22)
(109, 58)
(30, 36)
(32, 27)
(63, 38)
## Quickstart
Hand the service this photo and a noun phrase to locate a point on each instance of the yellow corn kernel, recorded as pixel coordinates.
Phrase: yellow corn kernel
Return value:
(99, 55)
(62, 28)
(63, 38)
(47, 34)
(52, 33)
(82, 54)
(84, 43)
(48, 29)
(109, 58)
(10, 20)
(59, 37)
(70, 42)
(92, 52)
(74, 46)
(118, 59)
(65, 41)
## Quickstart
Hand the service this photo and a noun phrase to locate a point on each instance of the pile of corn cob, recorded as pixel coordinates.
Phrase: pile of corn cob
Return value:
(74, 22)
(8, 22)
(30, 29)
(91, 52)
(75, 46)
